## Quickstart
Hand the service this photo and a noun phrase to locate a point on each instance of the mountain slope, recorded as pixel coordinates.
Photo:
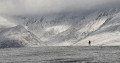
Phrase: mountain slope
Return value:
(85, 28)
(107, 34)
(18, 36)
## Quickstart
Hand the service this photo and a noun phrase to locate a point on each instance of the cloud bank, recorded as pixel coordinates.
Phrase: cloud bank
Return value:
(20, 7)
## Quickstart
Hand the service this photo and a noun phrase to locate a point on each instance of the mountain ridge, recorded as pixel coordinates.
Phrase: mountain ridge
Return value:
(70, 29)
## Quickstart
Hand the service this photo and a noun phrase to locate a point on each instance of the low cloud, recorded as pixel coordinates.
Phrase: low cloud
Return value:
(21, 7)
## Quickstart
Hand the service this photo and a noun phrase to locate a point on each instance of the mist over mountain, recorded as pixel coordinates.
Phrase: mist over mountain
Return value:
(62, 25)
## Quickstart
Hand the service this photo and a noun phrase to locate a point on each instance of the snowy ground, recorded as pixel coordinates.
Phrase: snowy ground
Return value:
(61, 55)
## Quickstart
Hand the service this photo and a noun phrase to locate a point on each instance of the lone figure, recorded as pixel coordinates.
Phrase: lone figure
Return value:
(89, 43)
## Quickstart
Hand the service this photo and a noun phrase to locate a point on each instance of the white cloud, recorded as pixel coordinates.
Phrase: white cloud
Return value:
(48, 6)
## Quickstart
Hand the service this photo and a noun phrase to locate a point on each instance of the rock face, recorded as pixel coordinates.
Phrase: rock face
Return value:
(101, 28)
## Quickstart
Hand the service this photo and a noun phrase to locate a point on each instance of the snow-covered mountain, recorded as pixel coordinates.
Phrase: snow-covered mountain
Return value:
(107, 34)
(18, 36)
(101, 28)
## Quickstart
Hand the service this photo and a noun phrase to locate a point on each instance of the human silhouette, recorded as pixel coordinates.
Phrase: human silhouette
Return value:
(89, 43)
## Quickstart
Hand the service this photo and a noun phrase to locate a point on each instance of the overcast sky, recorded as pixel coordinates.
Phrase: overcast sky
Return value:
(21, 7)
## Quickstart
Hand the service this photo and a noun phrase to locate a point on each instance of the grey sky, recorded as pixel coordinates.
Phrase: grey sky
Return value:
(19, 7)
